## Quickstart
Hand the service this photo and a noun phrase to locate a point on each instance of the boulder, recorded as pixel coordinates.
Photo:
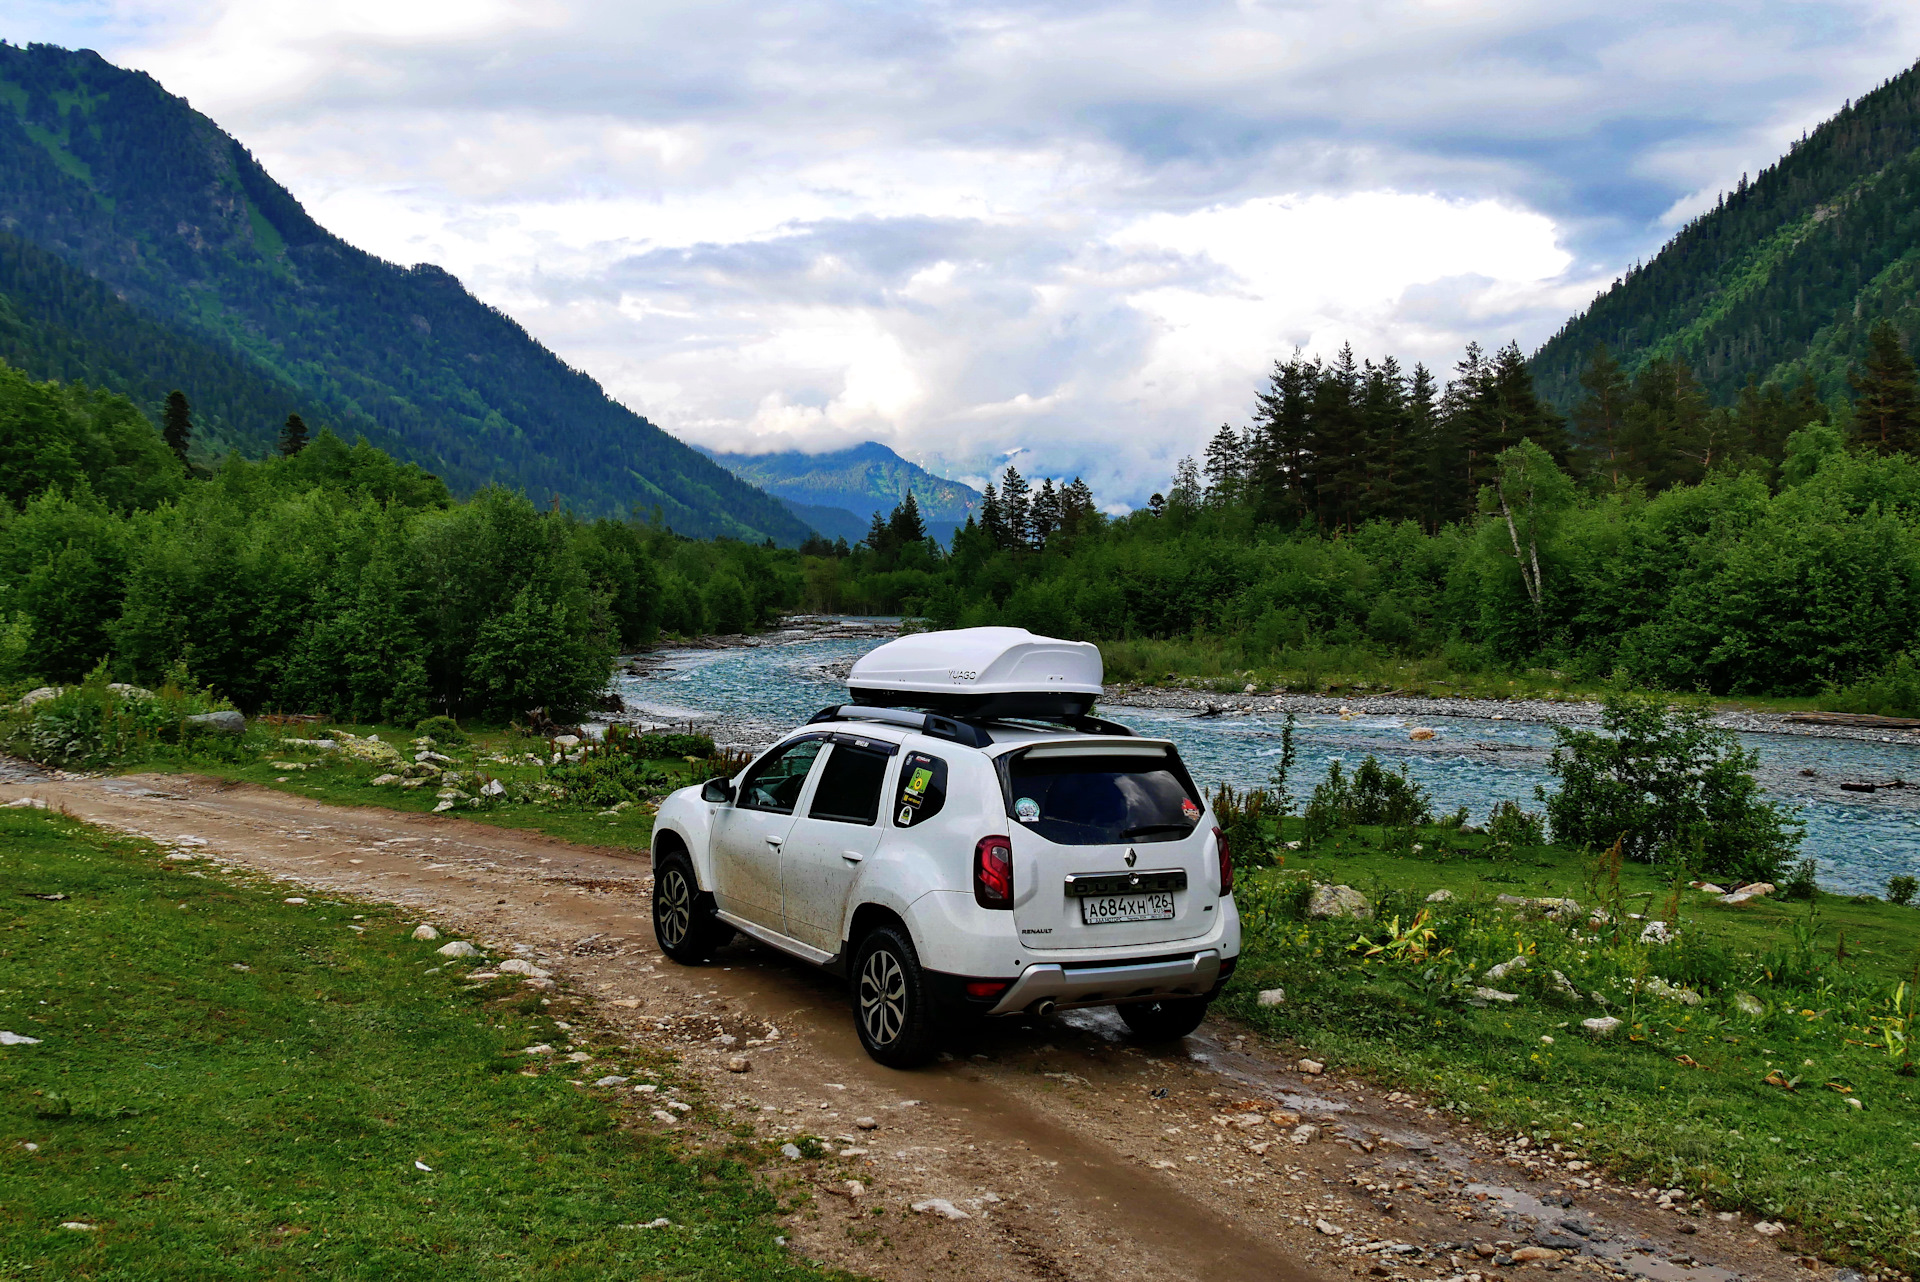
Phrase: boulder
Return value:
(1422, 734)
(1441, 896)
(1660, 988)
(1656, 932)
(126, 691)
(933, 1206)
(1605, 1026)
(519, 967)
(1552, 908)
(424, 931)
(1536, 1254)
(1305, 1133)
(1311, 1067)
(40, 695)
(1482, 996)
(378, 781)
(1338, 901)
(493, 788)
(1755, 889)
(227, 722)
(1748, 1004)
(458, 948)
(1497, 973)
(1272, 997)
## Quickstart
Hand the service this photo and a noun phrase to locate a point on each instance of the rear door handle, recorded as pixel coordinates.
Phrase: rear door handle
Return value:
(852, 856)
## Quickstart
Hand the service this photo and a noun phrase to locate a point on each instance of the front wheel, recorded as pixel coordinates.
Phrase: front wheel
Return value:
(1167, 1020)
(683, 920)
(892, 1009)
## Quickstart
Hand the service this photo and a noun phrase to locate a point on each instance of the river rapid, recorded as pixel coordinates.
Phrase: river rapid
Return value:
(747, 696)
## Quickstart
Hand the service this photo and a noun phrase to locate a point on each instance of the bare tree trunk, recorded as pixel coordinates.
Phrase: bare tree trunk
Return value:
(1531, 581)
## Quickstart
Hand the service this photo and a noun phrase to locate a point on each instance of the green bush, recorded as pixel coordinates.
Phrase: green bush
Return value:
(441, 729)
(93, 724)
(1510, 825)
(1901, 889)
(1894, 691)
(655, 745)
(606, 779)
(1670, 788)
(1799, 883)
(1372, 795)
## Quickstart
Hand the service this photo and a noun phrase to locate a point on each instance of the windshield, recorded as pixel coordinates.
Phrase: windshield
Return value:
(1091, 798)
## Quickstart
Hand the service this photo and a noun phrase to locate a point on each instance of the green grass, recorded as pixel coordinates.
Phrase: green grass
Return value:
(333, 780)
(216, 1122)
(1678, 1097)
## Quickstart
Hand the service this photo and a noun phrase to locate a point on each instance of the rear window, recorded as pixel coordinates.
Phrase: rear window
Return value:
(1096, 797)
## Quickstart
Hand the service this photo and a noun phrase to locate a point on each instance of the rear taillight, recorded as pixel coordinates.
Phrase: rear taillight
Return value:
(993, 872)
(1226, 862)
(987, 989)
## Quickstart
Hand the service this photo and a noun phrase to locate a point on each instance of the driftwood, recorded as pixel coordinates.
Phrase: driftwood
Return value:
(1861, 719)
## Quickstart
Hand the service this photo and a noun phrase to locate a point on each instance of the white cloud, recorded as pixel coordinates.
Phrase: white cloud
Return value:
(1078, 230)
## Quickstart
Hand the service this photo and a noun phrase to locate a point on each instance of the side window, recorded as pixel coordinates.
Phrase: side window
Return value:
(922, 791)
(775, 783)
(850, 784)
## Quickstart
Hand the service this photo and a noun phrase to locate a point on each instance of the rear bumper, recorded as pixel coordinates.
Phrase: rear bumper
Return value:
(1071, 984)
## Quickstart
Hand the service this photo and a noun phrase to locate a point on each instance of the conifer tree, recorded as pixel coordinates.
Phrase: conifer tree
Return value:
(1226, 467)
(906, 527)
(993, 519)
(293, 436)
(1281, 453)
(879, 539)
(1043, 514)
(176, 424)
(1014, 515)
(1600, 418)
(1187, 491)
(1886, 407)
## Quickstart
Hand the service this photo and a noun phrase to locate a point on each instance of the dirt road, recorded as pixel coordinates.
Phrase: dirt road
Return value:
(1056, 1148)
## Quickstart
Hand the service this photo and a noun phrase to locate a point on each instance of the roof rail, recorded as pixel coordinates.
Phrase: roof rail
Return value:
(930, 724)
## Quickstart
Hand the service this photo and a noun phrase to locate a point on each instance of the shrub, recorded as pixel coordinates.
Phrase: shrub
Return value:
(1372, 795)
(1893, 691)
(606, 779)
(441, 729)
(95, 724)
(1509, 825)
(1799, 883)
(1901, 889)
(655, 745)
(1671, 788)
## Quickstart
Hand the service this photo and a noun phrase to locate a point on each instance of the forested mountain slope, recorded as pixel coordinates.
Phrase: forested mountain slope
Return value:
(104, 169)
(1795, 266)
(863, 480)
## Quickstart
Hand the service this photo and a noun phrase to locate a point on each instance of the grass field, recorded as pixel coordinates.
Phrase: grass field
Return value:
(229, 1086)
(1679, 1095)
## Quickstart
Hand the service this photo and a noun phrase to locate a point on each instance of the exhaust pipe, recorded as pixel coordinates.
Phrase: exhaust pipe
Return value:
(1043, 1007)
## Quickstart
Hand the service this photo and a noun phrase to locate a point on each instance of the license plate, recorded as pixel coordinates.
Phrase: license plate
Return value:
(1098, 910)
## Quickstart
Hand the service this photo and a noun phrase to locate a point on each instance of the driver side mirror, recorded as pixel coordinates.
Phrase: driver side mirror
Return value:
(718, 790)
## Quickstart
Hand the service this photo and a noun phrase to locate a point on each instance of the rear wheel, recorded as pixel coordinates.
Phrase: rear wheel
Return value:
(683, 920)
(892, 1009)
(1164, 1021)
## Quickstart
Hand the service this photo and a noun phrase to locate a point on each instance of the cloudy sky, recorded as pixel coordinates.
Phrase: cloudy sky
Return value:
(1074, 233)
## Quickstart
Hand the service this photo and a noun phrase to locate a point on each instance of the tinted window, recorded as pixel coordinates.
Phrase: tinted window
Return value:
(1102, 800)
(775, 783)
(849, 789)
(922, 791)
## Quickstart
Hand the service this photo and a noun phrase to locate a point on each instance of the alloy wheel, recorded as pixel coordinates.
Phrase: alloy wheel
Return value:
(674, 912)
(883, 997)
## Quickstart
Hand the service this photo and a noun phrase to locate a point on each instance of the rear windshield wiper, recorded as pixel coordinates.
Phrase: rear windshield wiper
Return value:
(1144, 829)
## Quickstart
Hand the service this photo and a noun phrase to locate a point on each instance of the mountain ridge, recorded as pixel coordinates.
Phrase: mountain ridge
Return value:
(127, 184)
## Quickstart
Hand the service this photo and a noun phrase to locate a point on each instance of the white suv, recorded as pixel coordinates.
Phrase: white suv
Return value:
(1021, 857)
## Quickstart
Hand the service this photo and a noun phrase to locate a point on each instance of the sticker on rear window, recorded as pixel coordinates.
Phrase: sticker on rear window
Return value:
(1027, 810)
(1191, 811)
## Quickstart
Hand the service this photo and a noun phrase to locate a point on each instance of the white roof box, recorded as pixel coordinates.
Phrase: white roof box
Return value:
(1006, 672)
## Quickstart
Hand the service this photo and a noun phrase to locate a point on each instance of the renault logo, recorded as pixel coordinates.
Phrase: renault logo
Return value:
(1131, 857)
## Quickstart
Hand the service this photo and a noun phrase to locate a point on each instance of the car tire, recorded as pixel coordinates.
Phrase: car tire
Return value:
(683, 922)
(1164, 1021)
(892, 1009)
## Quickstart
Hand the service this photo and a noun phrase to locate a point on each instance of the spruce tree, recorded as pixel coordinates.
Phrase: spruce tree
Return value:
(1043, 513)
(293, 436)
(1226, 467)
(1013, 509)
(993, 521)
(1282, 451)
(1599, 419)
(176, 424)
(879, 538)
(1886, 407)
(906, 527)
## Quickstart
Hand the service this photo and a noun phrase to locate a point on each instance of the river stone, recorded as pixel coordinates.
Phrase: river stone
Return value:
(1338, 901)
(941, 1207)
(424, 931)
(1748, 1004)
(1656, 932)
(458, 948)
(520, 967)
(1272, 997)
(1605, 1026)
(1497, 973)
(1482, 995)
(1440, 896)
(1756, 889)
(40, 695)
(1422, 734)
(227, 722)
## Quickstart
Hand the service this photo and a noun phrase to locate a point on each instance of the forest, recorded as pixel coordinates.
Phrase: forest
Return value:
(1770, 547)
(328, 577)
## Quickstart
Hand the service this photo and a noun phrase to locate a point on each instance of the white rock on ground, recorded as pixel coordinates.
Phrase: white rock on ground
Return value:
(612, 1079)
(458, 948)
(1338, 901)
(1748, 1004)
(1768, 1228)
(293, 899)
(527, 968)
(865, 1123)
(1440, 896)
(1328, 1227)
(79, 1226)
(1671, 992)
(791, 1152)
(17, 1039)
(1497, 973)
(425, 932)
(1605, 1026)
(1304, 1132)
(1656, 932)
(1272, 997)
(27, 803)
(739, 1064)
(1311, 1067)
(941, 1207)
(538, 1048)
(1483, 995)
